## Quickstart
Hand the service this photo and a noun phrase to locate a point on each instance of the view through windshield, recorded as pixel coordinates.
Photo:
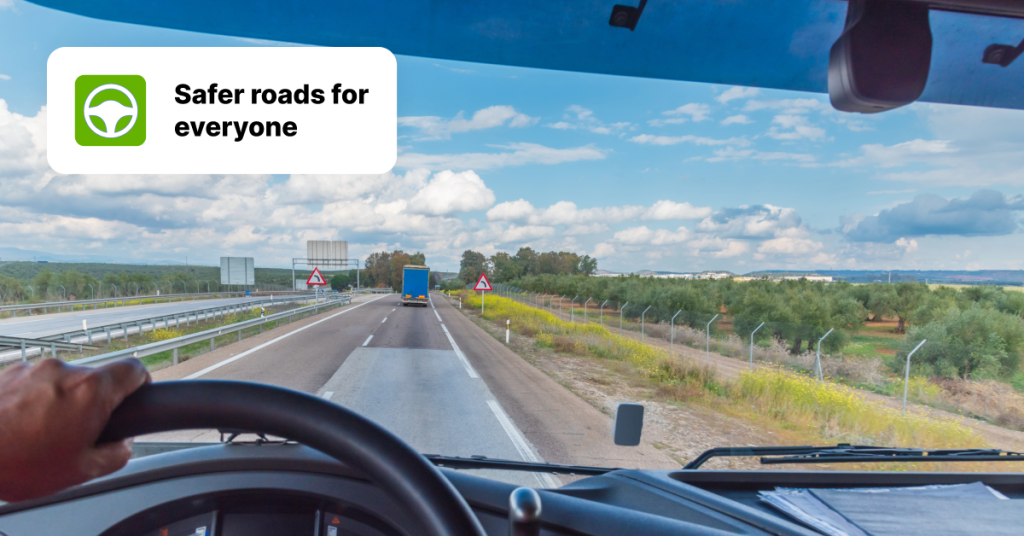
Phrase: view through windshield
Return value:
(752, 266)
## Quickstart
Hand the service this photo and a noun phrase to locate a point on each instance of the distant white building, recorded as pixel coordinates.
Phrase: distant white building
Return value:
(809, 277)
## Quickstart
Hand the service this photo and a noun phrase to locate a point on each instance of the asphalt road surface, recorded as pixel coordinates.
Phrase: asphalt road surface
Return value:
(430, 376)
(36, 326)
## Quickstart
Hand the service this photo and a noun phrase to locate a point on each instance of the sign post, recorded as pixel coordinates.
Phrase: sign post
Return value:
(483, 285)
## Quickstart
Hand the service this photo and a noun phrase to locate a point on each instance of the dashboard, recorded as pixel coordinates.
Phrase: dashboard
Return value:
(291, 490)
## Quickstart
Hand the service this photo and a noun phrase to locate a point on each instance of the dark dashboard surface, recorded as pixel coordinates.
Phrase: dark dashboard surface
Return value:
(285, 490)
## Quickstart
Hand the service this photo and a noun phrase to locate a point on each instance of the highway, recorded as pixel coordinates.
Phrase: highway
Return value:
(429, 375)
(36, 326)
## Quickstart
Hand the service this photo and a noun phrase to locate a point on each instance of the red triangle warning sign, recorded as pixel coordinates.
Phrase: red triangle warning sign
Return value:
(315, 278)
(483, 283)
(335, 521)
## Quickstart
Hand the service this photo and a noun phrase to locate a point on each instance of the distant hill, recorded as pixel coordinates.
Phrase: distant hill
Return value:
(958, 277)
(25, 271)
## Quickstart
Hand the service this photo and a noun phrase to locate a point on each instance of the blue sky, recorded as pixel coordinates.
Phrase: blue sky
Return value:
(642, 174)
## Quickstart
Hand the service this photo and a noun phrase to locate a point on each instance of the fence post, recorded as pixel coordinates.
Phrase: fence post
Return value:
(752, 345)
(643, 336)
(906, 380)
(707, 351)
(602, 312)
(672, 330)
(620, 317)
(817, 359)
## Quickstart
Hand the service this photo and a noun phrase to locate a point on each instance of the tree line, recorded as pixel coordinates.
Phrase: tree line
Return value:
(502, 267)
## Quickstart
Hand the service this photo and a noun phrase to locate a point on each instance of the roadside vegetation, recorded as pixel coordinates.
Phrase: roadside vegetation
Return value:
(829, 411)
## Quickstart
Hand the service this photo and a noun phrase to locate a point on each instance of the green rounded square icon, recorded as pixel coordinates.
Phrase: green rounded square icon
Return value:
(110, 110)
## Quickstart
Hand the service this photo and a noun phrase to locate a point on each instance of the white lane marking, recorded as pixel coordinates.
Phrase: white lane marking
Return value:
(462, 356)
(438, 316)
(327, 395)
(519, 442)
(368, 339)
(385, 320)
(212, 368)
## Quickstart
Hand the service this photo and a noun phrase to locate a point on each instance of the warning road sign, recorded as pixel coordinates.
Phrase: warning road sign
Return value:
(315, 278)
(483, 283)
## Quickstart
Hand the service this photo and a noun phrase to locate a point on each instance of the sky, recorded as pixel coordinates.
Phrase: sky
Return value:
(641, 174)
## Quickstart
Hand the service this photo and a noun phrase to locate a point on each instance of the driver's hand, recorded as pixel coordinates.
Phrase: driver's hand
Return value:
(50, 417)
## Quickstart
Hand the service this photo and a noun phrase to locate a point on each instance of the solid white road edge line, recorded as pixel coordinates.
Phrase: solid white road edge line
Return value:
(212, 368)
(438, 316)
(385, 320)
(327, 395)
(519, 442)
(368, 339)
(462, 356)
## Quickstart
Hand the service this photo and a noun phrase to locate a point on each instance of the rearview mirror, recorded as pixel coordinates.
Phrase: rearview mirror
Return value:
(881, 60)
(629, 423)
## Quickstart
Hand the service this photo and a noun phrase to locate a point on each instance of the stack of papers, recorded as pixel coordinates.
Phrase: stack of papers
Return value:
(912, 510)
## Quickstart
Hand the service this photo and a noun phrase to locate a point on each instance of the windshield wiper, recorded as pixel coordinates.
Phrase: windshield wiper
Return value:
(846, 453)
(483, 462)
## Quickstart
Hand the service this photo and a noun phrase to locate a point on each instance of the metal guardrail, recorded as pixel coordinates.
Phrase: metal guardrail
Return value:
(123, 329)
(122, 299)
(174, 344)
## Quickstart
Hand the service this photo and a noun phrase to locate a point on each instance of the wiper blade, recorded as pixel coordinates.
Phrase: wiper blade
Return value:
(846, 453)
(483, 462)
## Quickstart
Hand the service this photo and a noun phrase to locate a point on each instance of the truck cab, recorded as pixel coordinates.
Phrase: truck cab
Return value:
(415, 285)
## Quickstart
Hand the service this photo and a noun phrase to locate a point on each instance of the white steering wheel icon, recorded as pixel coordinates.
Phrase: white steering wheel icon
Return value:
(110, 112)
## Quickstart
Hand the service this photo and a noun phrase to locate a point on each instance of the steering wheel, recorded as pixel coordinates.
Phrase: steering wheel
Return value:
(333, 430)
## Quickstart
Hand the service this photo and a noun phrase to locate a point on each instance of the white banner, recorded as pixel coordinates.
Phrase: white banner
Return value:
(222, 110)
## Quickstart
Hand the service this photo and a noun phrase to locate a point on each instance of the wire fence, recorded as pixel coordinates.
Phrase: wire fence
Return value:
(814, 348)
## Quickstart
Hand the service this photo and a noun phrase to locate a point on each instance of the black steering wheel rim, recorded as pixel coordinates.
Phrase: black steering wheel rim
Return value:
(332, 429)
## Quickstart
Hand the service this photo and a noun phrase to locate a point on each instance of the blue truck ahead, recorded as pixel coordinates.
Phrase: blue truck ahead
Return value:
(414, 285)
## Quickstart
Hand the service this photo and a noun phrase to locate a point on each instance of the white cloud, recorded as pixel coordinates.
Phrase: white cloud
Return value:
(758, 221)
(739, 119)
(432, 127)
(578, 117)
(658, 237)
(718, 248)
(2, 75)
(733, 154)
(516, 154)
(788, 245)
(670, 210)
(649, 139)
(567, 213)
(907, 245)
(603, 250)
(794, 127)
(899, 154)
(696, 111)
(737, 92)
(449, 192)
(585, 229)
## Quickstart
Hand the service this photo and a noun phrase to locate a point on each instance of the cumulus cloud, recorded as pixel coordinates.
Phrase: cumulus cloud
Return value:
(757, 221)
(693, 111)
(737, 92)
(4, 76)
(567, 213)
(670, 210)
(515, 154)
(438, 128)
(656, 237)
(449, 192)
(738, 119)
(985, 213)
(794, 127)
(899, 154)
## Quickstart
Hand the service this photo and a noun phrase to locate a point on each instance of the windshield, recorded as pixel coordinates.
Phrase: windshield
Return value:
(752, 266)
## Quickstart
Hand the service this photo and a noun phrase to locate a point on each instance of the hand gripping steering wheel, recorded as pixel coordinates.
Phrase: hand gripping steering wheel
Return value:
(388, 461)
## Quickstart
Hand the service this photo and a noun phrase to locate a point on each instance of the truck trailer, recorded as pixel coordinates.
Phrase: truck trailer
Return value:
(414, 285)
